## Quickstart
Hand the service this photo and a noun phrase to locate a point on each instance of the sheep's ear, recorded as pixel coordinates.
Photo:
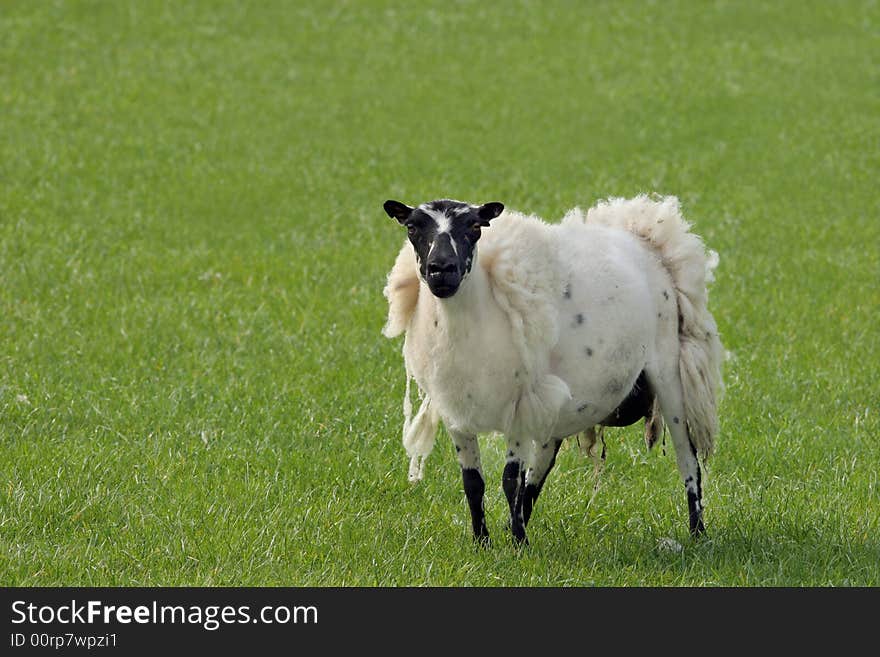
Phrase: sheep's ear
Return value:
(489, 211)
(397, 210)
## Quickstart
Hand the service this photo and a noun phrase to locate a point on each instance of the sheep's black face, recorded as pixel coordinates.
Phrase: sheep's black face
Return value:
(444, 234)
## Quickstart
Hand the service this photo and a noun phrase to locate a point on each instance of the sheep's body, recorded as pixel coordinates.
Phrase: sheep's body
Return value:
(552, 329)
(469, 365)
(613, 279)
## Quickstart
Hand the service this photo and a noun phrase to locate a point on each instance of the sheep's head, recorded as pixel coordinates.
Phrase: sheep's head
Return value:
(444, 234)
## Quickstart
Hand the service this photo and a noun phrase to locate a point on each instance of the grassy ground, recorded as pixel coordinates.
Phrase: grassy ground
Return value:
(194, 389)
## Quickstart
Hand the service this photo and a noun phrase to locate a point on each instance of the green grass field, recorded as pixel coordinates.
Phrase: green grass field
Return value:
(194, 389)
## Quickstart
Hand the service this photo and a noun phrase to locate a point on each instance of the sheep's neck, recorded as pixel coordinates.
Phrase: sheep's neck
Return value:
(466, 307)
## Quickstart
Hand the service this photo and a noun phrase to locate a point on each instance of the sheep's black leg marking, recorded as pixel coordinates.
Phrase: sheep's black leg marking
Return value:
(531, 482)
(530, 495)
(695, 514)
(513, 482)
(474, 487)
(467, 449)
(532, 490)
(517, 521)
(510, 482)
(694, 488)
(672, 407)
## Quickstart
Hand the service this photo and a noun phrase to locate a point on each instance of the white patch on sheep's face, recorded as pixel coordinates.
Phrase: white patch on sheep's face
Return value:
(444, 235)
(444, 223)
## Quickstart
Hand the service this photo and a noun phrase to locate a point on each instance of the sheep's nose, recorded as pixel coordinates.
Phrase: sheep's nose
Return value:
(437, 268)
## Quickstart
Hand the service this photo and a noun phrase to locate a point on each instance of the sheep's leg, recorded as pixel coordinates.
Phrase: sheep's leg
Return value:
(545, 459)
(669, 392)
(513, 483)
(467, 450)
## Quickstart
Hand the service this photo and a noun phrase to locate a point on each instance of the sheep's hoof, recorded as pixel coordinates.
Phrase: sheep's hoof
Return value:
(697, 527)
(519, 534)
(481, 538)
(695, 513)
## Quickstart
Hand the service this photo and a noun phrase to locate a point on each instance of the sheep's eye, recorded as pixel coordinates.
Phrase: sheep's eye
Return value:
(475, 229)
(410, 230)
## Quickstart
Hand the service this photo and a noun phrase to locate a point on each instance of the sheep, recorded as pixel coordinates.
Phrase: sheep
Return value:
(549, 330)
